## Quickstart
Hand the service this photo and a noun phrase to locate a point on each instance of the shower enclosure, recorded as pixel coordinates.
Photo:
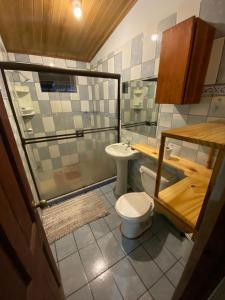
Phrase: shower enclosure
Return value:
(65, 118)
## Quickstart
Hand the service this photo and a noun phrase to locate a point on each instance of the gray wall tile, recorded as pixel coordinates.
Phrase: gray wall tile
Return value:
(136, 50)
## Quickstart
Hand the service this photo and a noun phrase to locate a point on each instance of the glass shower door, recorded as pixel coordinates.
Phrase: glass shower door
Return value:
(66, 136)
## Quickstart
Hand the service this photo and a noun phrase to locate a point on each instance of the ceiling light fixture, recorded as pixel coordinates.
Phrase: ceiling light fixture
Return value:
(154, 37)
(77, 8)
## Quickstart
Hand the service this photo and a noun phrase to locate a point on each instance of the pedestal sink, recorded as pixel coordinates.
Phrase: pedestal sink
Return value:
(121, 153)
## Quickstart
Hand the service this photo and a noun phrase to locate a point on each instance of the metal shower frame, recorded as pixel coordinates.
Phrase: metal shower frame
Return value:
(14, 66)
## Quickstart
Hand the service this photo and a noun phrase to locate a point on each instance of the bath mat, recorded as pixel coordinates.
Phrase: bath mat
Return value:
(63, 218)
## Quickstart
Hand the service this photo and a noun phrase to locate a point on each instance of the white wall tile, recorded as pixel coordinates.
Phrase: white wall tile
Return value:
(111, 65)
(126, 56)
(156, 67)
(70, 63)
(11, 56)
(56, 106)
(166, 108)
(201, 108)
(36, 59)
(75, 96)
(41, 95)
(60, 63)
(78, 122)
(188, 9)
(101, 102)
(214, 62)
(217, 107)
(90, 92)
(179, 120)
(85, 106)
(135, 72)
(165, 119)
(48, 61)
(26, 76)
(48, 124)
(106, 89)
(66, 106)
(67, 160)
(82, 80)
(190, 145)
(112, 106)
(54, 151)
(96, 91)
(46, 164)
(149, 47)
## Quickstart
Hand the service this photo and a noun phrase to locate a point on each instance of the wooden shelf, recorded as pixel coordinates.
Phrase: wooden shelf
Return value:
(210, 134)
(182, 201)
(186, 166)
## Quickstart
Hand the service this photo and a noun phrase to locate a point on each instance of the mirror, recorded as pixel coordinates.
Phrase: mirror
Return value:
(139, 113)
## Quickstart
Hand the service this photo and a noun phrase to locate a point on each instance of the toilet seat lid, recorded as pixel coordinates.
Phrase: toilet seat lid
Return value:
(134, 205)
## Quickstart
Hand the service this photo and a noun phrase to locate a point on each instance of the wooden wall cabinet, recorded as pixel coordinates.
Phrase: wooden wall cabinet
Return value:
(184, 59)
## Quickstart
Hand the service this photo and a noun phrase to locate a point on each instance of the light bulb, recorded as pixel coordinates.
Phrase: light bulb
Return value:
(51, 64)
(154, 37)
(77, 11)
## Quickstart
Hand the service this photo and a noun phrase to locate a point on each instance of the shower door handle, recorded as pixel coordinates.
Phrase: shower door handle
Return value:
(79, 133)
(41, 204)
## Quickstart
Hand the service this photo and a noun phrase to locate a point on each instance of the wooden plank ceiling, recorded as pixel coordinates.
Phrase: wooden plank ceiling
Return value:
(49, 28)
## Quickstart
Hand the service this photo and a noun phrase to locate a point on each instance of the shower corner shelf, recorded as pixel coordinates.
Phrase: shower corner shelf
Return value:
(28, 115)
(193, 191)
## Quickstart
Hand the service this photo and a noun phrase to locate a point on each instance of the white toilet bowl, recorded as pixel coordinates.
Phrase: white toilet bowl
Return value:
(135, 209)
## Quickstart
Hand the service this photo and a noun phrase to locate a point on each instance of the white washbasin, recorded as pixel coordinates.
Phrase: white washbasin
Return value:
(121, 151)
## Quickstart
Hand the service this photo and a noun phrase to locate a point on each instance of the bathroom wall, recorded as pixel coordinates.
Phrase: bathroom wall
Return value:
(139, 57)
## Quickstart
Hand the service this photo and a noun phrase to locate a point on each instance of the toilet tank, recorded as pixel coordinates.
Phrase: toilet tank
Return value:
(148, 179)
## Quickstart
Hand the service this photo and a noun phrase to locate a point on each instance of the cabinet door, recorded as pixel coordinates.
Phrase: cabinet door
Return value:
(174, 62)
(204, 34)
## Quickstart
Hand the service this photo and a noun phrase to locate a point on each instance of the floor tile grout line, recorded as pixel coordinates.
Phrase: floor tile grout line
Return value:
(83, 266)
(165, 247)
(168, 248)
(155, 264)
(107, 264)
(136, 273)
(168, 276)
(67, 256)
(126, 254)
(164, 272)
(56, 254)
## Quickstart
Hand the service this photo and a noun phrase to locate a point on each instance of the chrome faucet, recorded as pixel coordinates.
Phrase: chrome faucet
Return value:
(128, 143)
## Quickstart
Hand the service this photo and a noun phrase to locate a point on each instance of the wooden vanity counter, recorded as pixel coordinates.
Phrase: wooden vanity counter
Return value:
(182, 201)
(184, 165)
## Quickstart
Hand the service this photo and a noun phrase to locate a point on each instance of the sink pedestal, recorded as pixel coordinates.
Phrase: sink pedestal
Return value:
(121, 181)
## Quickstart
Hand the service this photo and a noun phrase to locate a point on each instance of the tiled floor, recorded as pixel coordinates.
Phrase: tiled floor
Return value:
(96, 262)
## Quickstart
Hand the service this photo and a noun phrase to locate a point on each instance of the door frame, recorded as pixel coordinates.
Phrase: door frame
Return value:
(10, 145)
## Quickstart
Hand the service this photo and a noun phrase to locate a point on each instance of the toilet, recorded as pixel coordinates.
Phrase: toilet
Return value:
(136, 209)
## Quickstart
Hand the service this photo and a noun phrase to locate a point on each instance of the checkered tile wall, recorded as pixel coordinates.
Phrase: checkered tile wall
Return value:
(139, 58)
(94, 105)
